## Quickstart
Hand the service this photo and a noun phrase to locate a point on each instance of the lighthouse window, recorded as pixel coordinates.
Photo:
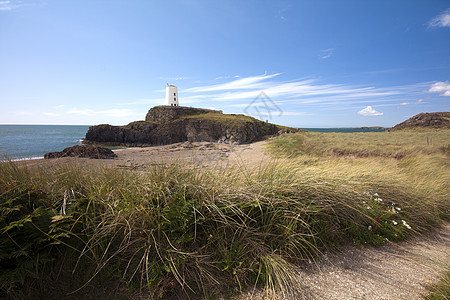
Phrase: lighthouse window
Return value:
(174, 99)
(174, 94)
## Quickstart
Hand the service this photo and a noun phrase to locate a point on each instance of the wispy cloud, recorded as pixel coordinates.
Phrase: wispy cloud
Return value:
(302, 95)
(50, 114)
(281, 14)
(443, 88)
(24, 113)
(152, 101)
(176, 78)
(412, 103)
(308, 91)
(10, 5)
(369, 112)
(296, 113)
(442, 20)
(226, 77)
(243, 83)
(109, 112)
(6, 5)
(327, 53)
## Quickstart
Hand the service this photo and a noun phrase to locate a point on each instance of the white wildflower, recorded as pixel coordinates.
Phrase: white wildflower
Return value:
(398, 208)
(369, 227)
(394, 222)
(368, 207)
(376, 194)
(378, 199)
(406, 224)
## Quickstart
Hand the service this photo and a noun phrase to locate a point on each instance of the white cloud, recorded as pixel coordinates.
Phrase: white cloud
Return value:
(176, 78)
(296, 113)
(280, 14)
(50, 114)
(117, 112)
(243, 83)
(24, 113)
(87, 112)
(226, 77)
(5, 5)
(304, 92)
(10, 5)
(369, 111)
(443, 88)
(443, 20)
(327, 53)
(153, 101)
(109, 112)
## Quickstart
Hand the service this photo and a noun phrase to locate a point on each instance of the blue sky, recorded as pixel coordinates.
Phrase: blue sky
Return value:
(298, 63)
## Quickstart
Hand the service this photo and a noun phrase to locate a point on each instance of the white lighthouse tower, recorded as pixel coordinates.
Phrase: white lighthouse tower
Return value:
(171, 95)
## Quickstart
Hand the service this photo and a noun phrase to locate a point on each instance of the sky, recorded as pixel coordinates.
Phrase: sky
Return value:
(301, 63)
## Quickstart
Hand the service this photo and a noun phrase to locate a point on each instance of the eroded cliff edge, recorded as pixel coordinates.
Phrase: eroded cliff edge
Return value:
(172, 124)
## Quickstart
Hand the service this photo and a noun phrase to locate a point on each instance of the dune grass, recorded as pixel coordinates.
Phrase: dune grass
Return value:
(199, 232)
(397, 144)
(441, 289)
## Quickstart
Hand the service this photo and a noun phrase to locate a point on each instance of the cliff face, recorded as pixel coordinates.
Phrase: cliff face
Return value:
(433, 120)
(173, 124)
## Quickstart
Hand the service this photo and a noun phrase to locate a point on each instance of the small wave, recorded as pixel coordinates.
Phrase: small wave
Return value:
(80, 141)
(23, 159)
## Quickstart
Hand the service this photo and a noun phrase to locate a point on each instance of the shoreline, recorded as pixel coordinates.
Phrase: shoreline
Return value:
(140, 158)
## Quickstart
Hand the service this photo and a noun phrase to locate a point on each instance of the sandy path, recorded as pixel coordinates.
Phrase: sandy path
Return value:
(392, 271)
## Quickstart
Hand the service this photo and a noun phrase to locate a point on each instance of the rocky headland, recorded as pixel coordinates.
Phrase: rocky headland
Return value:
(429, 120)
(173, 124)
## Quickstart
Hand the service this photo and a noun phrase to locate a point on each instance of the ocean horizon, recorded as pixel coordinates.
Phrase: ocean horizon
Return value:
(33, 141)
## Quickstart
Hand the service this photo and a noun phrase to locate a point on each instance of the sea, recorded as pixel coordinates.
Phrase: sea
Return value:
(346, 129)
(33, 141)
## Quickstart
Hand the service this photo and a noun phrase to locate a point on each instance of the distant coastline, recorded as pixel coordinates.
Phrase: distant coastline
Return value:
(346, 129)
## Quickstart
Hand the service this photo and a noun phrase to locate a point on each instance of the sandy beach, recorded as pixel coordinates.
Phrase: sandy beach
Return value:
(195, 154)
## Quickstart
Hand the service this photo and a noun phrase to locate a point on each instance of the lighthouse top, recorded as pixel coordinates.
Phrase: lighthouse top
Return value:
(171, 95)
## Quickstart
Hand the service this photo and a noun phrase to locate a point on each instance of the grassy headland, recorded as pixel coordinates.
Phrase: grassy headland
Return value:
(178, 230)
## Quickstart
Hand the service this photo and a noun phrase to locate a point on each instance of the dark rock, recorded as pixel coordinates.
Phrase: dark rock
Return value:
(174, 124)
(433, 120)
(86, 151)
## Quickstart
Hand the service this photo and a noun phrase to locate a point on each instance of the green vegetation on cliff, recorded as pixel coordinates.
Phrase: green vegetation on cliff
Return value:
(173, 124)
